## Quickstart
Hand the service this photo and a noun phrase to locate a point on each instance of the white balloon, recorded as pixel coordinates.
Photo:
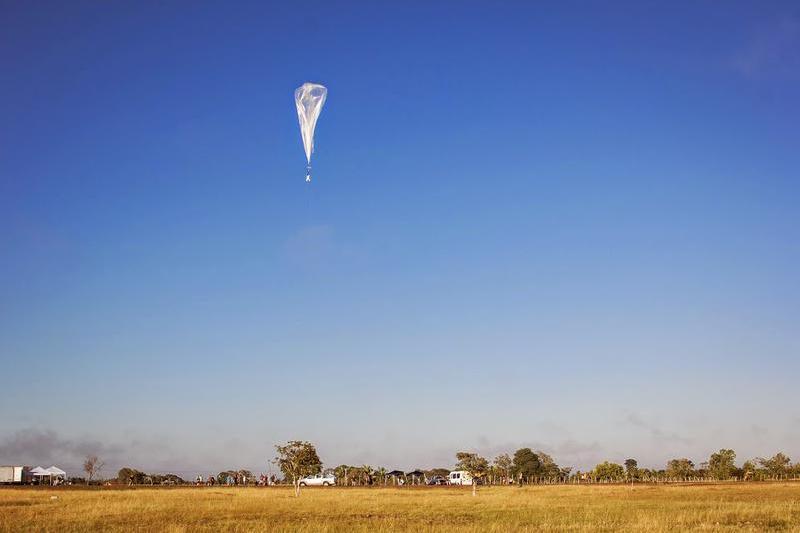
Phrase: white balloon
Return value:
(309, 99)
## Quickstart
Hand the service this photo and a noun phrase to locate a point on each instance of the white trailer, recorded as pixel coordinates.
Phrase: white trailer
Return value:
(13, 474)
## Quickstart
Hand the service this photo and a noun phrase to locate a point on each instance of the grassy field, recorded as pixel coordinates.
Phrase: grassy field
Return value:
(725, 507)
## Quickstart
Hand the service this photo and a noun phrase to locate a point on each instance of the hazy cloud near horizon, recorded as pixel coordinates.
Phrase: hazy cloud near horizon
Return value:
(45, 447)
(36, 446)
(33, 446)
(658, 434)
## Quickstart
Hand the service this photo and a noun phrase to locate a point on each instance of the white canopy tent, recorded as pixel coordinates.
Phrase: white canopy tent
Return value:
(52, 473)
(57, 472)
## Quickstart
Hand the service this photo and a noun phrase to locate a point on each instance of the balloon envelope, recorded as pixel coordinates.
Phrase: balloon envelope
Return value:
(309, 99)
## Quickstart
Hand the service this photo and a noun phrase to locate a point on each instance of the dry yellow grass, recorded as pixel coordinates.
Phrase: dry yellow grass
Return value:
(747, 507)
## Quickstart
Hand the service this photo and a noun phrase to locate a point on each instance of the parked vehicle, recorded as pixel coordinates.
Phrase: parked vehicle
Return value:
(318, 480)
(14, 474)
(437, 480)
(459, 477)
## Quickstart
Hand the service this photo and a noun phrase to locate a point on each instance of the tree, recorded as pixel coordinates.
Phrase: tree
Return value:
(504, 464)
(750, 469)
(720, 464)
(631, 468)
(475, 465)
(166, 479)
(441, 472)
(608, 470)
(92, 466)
(680, 468)
(130, 476)
(777, 465)
(380, 473)
(245, 476)
(526, 464)
(548, 467)
(298, 459)
(367, 472)
(341, 474)
(224, 476)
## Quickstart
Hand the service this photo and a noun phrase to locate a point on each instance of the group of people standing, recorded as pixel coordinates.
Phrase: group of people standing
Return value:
(235, 479)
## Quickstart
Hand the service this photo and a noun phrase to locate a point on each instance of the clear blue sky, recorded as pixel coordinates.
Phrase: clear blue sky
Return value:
(572, 226)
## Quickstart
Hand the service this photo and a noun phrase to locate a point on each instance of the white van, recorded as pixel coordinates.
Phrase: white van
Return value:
(459, 477)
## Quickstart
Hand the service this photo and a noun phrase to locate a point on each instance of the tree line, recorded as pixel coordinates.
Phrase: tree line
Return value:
(298, 459)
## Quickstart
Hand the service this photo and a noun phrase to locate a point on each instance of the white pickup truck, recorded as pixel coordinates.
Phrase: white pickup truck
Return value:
(318, 480)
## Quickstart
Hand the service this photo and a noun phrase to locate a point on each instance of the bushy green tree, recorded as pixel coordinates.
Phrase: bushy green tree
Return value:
(475, 465)
(130, 476)
(751, 469)
(547, 466)
(680, 468)
(777, 465)
(297, 459)
(631, 468)
(222, 477)
(720, 464)
(503, 464)
(608, 470)
(526, 464)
